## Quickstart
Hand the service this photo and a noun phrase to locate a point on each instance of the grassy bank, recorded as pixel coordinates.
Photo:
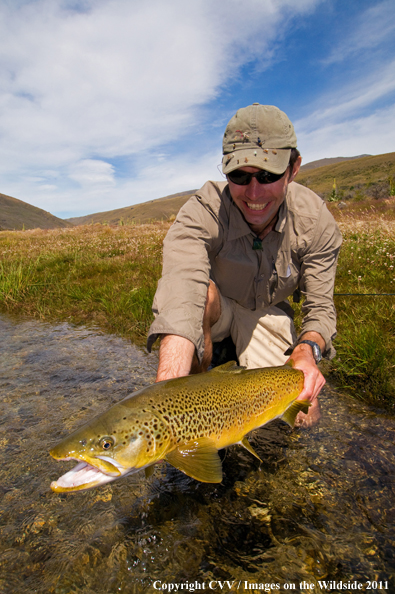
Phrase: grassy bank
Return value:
(89, 274)
(107, 276)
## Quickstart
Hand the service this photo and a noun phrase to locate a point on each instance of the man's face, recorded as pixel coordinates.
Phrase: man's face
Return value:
(259, 203)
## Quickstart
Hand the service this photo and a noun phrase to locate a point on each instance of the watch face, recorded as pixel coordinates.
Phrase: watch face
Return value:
(317, 353)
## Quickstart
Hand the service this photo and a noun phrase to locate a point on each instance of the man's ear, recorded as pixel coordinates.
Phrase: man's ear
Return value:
(295, 170)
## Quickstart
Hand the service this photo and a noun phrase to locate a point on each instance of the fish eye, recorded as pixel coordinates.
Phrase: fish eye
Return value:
(106, 443)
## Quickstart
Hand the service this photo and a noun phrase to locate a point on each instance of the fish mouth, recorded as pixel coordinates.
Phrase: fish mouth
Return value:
(87, 474)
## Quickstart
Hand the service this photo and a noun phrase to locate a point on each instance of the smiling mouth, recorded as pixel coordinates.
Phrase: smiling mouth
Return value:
(254, 206)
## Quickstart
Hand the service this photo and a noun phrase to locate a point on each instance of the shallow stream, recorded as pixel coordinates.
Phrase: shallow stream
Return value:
(318, 515)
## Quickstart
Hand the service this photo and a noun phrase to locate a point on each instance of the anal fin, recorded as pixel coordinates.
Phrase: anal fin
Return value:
(198, 459)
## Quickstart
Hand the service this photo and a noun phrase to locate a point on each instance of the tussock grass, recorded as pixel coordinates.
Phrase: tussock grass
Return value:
(107, 276)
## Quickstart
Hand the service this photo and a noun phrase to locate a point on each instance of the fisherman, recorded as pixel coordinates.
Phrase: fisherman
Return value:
(235, 253)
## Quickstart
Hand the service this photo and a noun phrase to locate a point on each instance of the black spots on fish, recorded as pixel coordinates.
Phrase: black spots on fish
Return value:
(141, 433)
(124, 418)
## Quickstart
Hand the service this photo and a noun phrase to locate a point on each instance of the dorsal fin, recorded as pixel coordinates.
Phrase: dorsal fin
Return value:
(229, 367)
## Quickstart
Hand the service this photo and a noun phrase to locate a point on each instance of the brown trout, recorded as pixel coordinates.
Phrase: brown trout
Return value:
(184, 421)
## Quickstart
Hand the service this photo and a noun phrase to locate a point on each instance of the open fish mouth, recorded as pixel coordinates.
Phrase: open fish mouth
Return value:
(82, 476)
(86, 476)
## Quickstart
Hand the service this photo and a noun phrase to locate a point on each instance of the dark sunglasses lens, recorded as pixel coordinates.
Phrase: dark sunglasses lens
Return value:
(266, 177)
(243, 178)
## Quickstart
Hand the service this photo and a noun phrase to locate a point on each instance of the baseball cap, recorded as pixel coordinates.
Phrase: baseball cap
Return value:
(258, 136)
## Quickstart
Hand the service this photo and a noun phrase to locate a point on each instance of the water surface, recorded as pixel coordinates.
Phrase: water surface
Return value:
(320, 508)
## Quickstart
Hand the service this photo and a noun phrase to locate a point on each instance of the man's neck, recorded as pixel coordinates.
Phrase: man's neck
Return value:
(260, 231)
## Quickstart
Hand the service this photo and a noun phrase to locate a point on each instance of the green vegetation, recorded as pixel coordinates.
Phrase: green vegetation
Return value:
(365, 344)
(358, 179)
(107, 275)
(95, 274)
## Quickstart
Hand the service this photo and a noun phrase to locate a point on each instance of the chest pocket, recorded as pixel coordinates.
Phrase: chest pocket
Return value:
(287, 281)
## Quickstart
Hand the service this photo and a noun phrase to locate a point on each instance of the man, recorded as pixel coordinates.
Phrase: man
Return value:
(238, 250)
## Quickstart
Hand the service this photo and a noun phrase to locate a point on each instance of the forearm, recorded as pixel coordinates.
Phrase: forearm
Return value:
(305, 348)
(175, 357)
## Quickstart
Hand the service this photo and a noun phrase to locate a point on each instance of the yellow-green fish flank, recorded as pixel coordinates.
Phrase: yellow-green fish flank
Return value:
(184, 421)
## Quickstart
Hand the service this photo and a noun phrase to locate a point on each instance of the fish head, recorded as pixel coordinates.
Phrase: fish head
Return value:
(113, 445)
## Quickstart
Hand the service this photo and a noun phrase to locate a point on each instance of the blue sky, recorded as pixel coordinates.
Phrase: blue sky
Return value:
(108, 103)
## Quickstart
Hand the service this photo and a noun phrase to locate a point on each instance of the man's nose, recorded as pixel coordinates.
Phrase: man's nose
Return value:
(255, 190)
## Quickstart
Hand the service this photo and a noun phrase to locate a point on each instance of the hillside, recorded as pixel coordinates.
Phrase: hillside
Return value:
(329, 161)
(159, 209)
(18, 215)
(355, 179)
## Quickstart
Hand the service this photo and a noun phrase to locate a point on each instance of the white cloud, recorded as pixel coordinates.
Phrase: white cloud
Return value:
(373, 28)
(90, 172)
(372, 135)
(84, 84)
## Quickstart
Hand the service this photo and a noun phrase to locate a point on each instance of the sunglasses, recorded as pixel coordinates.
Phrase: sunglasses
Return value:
(243, 178)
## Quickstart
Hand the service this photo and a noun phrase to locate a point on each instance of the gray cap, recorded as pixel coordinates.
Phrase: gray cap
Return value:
(258, 136)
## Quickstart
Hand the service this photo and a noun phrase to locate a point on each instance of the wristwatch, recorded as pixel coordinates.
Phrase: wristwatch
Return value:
(316, 349)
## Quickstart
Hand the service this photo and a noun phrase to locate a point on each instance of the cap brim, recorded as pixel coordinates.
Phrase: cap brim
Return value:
(273, 160)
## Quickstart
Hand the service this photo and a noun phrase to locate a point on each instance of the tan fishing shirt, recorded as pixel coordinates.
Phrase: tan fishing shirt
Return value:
(211, 239)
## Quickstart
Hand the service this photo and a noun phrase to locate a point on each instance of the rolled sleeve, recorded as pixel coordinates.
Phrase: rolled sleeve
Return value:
(318, 279)
(181, 295)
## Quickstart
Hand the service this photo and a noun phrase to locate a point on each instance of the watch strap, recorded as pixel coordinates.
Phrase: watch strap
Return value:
(315, 347)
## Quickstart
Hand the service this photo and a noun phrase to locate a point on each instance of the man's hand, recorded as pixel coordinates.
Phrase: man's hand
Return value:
(302, 358)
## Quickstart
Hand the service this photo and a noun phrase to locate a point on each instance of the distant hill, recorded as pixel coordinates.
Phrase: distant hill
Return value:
(161, 208)
(355, 178)
(329, 161)
(15, 214)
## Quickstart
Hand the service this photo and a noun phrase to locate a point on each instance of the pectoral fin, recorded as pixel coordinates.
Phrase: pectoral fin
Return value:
(198, 459)
(290, 414)
(244, 442)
